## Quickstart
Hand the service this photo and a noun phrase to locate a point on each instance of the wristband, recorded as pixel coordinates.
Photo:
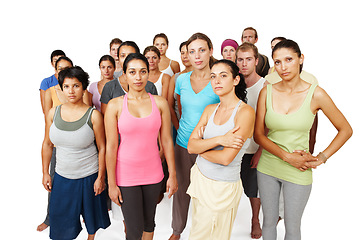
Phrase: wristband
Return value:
(322, 157)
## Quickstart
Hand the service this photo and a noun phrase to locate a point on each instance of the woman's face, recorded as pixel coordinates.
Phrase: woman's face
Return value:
(114, 51)
(161, 44)
(63, 64)
(124, 51)
(287, 63)
(199, 53)
(153, 60)
(229, 53)
(222, 80)
(136, 74)
(107, 70)
(73, 90)
(185, 56)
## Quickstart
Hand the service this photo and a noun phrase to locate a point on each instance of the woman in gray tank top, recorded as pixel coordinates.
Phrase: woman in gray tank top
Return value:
(79, 181)
(220, 140)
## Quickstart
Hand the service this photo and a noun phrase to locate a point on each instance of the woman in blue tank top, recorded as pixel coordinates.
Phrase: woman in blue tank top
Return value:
(218, 139)
(194, 94)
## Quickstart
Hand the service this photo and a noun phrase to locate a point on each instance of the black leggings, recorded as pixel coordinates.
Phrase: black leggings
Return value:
(138, 207)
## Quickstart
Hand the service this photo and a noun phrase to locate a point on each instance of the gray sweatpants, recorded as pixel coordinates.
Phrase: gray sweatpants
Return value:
(295, 199)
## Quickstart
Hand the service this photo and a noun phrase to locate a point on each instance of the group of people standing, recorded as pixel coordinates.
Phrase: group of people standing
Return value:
(205, 134)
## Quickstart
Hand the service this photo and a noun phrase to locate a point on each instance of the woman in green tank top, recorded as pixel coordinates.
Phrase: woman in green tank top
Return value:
(287, 109)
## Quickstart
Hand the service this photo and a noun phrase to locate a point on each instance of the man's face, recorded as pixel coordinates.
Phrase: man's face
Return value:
(249, 36)
(54, 59)
(246, 62)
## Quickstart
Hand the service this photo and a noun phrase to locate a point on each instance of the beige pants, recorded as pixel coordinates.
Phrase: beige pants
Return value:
(210, 225)
(214, 207)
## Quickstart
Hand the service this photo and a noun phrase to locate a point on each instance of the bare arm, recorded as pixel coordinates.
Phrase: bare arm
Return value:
(167, 144)
(112, 144)
(244, 120)
(42, 99)
(179, 104)
(323, 101)
(99, 131)
(46, 151)
(175, 66)
(103, 108)
(165, 85)
(171, 101)
(296, 159)
(199, 145)
(47, 102)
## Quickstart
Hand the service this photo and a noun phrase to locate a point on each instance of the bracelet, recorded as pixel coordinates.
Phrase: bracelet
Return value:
(322, 157)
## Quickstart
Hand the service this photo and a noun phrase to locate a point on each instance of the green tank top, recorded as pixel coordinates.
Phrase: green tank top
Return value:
(290, 132)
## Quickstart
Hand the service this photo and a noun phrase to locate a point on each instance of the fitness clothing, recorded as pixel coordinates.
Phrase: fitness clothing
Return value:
(138, 161)
(290, 132)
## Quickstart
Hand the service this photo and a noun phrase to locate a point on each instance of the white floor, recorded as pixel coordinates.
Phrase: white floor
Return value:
(163, 224)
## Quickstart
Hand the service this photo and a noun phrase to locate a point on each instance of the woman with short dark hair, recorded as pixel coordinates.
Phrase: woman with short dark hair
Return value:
(79, 181)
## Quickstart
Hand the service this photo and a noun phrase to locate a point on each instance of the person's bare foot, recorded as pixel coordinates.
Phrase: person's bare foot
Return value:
(41, 227)
(174, 237)
(256, 232)
(91, 237)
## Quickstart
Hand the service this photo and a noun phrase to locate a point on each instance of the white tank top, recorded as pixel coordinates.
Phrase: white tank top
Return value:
(158, 84)
(168, 70)
(252, 96)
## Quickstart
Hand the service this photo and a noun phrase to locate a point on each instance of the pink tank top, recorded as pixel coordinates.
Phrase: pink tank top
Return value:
(138, 160)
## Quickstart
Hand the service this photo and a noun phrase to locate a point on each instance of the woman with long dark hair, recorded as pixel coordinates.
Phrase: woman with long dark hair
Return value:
(218, 139)
(288, 109)
(134, 167)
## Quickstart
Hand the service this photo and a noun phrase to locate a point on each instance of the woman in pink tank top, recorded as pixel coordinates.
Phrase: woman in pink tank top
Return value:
(134, 167)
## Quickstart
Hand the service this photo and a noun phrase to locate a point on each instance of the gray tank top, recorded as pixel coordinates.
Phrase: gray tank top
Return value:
(219, 172)
(76, 153)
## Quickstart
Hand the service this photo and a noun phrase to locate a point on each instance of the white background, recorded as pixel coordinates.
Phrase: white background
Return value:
(326, 31)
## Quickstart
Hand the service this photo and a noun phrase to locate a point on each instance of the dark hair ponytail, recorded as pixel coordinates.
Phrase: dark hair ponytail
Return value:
(289, 44)
(240, 89)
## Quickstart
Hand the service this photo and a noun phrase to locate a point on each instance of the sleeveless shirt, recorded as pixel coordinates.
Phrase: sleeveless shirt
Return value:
(138, 159)
(290, 132)
(168, 70)
(76, 153)
(54, 97)
(215, 171)
(158, 84)
(252, 96)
